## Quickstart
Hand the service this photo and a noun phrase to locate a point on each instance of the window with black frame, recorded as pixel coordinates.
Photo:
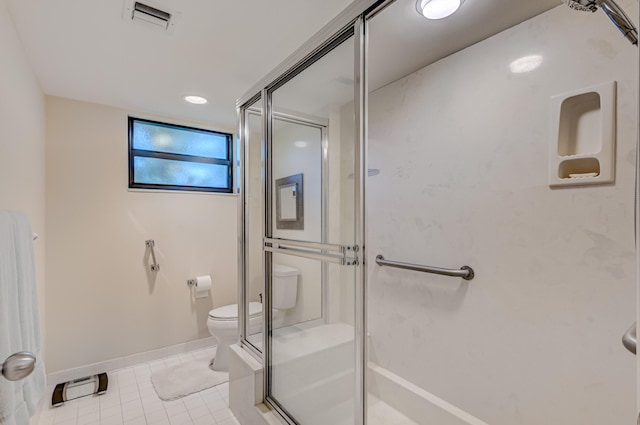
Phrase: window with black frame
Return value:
(173, 157)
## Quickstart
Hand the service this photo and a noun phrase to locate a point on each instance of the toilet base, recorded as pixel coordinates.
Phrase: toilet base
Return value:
(220, 361)
(226, 332)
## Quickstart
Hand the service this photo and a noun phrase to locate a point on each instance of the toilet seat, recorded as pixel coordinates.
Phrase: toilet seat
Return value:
(230, 312)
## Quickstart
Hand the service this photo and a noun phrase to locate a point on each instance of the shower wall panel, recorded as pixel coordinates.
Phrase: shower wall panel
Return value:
(462, 148)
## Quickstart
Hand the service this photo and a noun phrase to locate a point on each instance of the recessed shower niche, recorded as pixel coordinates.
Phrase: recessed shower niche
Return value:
(583, 136)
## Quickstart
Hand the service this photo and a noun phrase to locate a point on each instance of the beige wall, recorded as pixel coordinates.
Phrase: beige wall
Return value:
(102, 302)
(22, 141)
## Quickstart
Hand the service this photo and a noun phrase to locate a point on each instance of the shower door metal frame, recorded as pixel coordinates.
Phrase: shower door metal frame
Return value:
(353, 19)
(360, 177)
(337, 39)
(243, 243)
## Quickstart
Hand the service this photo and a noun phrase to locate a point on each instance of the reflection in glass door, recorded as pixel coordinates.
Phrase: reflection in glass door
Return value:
(309, 241)
(301, 146)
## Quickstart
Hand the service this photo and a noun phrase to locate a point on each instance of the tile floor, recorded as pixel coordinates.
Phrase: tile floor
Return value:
(131, 400)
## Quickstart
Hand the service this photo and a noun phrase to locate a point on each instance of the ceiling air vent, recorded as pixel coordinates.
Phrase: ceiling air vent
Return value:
(151, 15)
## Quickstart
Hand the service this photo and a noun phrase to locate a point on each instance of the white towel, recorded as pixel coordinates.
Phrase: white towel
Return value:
(19, 321)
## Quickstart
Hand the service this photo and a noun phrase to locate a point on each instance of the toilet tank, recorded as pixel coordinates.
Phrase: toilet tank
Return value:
(285, 287)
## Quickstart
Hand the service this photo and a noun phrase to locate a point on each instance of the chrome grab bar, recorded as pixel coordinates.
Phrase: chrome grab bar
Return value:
(630, 339)
(464, 272)
(150, 244)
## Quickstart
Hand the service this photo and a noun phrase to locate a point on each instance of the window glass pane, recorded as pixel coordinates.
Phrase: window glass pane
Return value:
(186, 141)
(179, 173)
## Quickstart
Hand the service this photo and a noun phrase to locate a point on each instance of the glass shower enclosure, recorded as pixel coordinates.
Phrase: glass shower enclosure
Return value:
(300, 216)
(503, 139)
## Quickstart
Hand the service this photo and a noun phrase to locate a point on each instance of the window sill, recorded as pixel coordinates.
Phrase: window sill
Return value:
(181, 192)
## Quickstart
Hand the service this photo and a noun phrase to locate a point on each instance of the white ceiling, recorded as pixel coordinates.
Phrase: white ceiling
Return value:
(85, 50)
(400, 42)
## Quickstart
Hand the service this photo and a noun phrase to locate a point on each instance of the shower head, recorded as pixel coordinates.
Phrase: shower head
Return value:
(613, 11)
(582, 5)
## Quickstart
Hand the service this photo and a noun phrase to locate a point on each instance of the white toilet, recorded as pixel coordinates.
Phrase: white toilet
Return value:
(223, 321)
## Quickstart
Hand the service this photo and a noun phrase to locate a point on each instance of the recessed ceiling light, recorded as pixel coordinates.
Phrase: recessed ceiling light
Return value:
(197, 100)
(437, 9)
(525, 64)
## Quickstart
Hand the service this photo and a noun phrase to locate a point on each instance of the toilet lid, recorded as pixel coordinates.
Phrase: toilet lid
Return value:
(230, 312)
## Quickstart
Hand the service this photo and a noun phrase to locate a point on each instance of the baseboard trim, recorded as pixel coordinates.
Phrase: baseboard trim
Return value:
(128, 361)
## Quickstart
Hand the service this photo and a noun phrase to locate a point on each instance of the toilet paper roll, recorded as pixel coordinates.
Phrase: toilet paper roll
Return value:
(203, 284)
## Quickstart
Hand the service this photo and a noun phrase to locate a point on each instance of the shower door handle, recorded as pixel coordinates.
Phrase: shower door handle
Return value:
(630, 339)
(18, 366)
(337, 254)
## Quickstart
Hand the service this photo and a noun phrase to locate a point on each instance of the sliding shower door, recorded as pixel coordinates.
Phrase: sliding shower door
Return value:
(311, 375)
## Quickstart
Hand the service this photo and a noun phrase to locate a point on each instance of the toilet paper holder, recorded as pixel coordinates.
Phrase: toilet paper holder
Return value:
(192, 283)
(201, 285)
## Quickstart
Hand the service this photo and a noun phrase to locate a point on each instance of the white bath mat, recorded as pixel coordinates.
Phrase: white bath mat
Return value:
(187, 378)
